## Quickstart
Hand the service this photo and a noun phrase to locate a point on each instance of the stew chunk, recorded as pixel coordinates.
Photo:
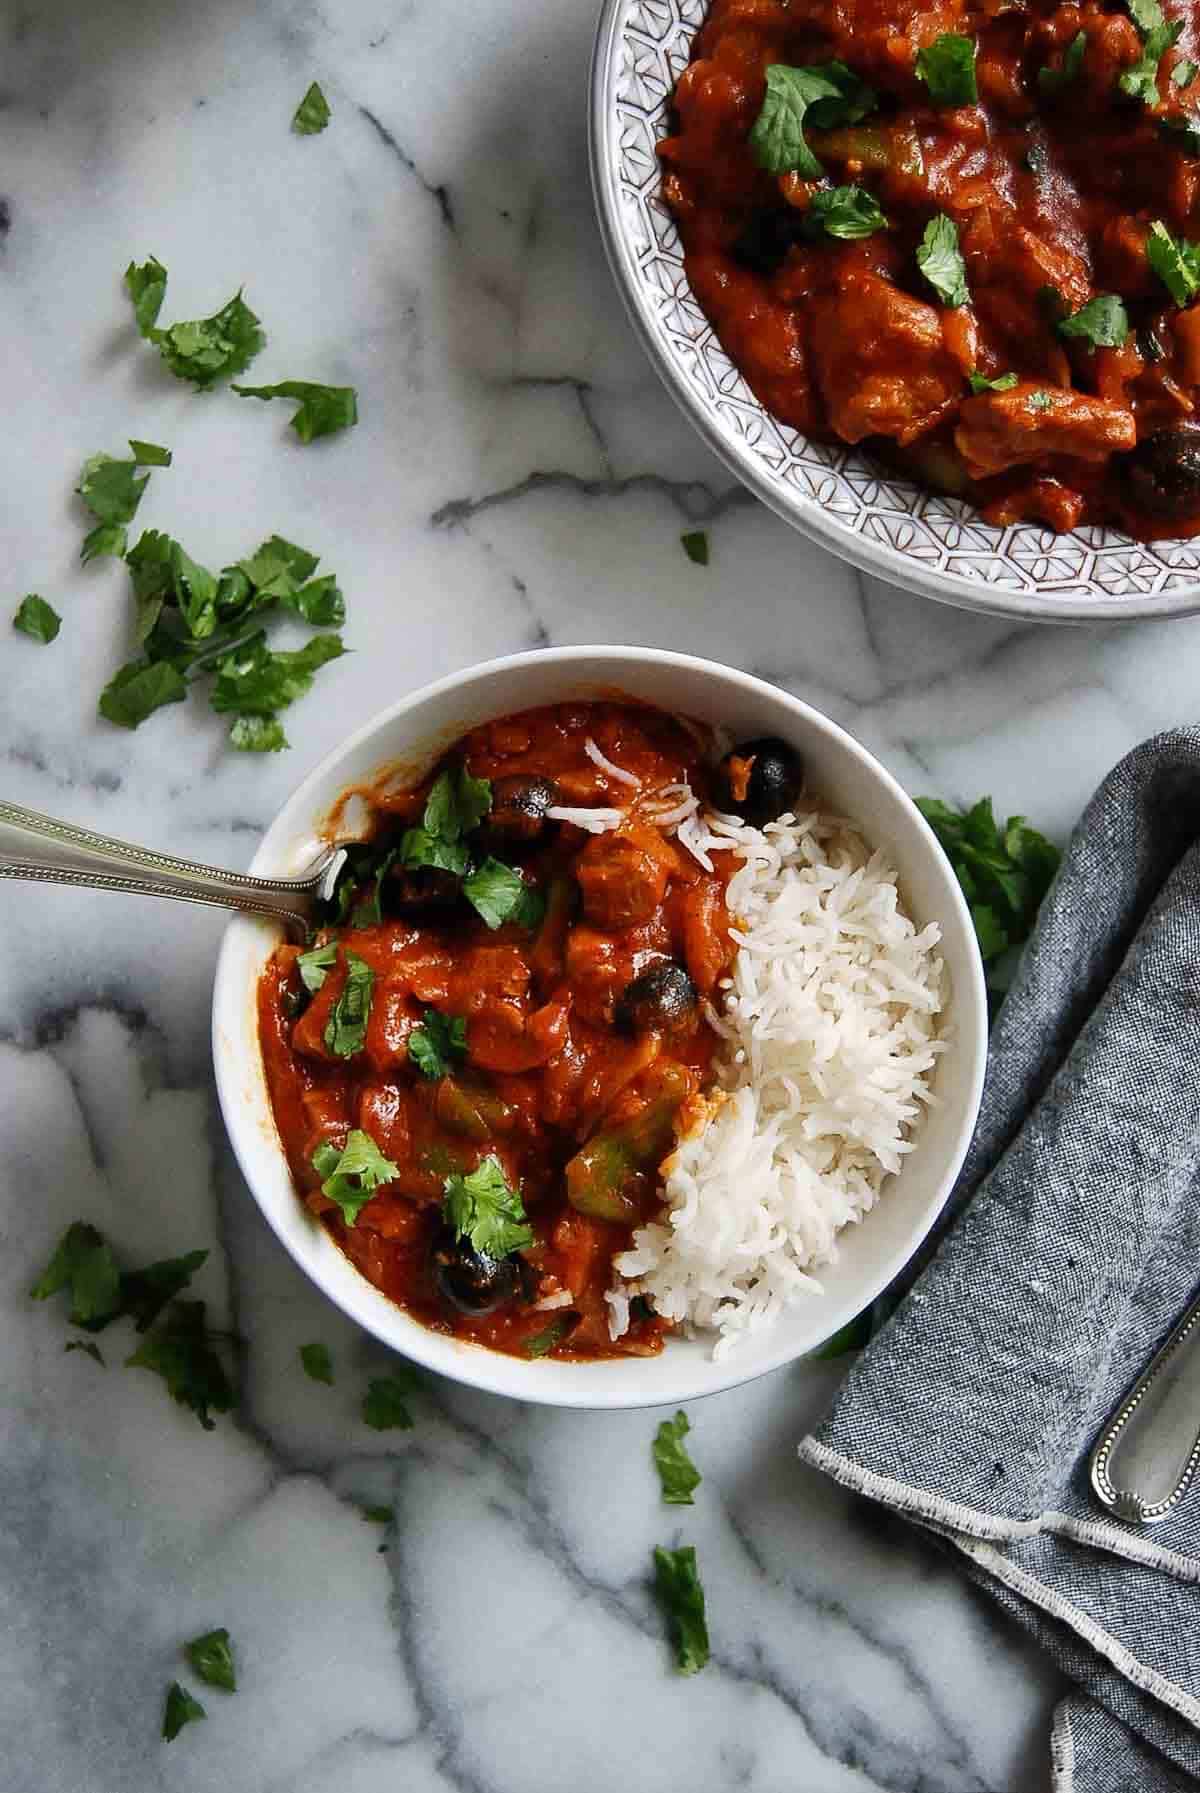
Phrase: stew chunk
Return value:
(880, 361)
(1005, 429)
(623, 878)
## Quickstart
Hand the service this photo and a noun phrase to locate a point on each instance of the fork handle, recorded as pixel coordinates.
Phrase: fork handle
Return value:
(1148, 1455)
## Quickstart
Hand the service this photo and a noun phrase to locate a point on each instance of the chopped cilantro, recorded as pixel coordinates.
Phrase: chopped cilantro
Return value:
(179, 1710)
(844, 212)
(112, 491)
(37, 619)
(146, 286)
(1140, 81)
(1175, 261)
(681, 1597)
(1053, 80)
(378, 1515)
(256, 682)
(1185, 72)
(500, 894)
(315, 965)
(257, 734)
(90, 1346)
(312, 114)
(322, 410)
(1039, 401)
(212, 1659)
(138, 689)
(385, 1404)
(1002, 383)
(203, 350)
(676, 1471)
(346, 1028)
(181, 1353)
(318, 1364)
(947, 67)
(1103, 322)
(1004, 871)
(84, 1265)
(351, 1177)
(694, 543)
(149, 454)
(145, 1293)
(941, 262)
(482, 1208)
(824, 95)
(456, 805)
(540, 1344)
(439, 1039)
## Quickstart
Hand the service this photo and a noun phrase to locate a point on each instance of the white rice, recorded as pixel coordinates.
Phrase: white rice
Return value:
(829, 1030)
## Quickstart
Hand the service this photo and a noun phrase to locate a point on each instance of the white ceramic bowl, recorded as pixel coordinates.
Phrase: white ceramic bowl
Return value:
(415, 731)
(874, 519)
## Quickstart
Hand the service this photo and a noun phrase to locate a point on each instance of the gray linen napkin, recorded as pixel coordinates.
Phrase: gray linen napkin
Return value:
(1069, 1250)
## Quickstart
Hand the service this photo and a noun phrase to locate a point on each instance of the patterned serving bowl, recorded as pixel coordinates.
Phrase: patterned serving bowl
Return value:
(934, 545)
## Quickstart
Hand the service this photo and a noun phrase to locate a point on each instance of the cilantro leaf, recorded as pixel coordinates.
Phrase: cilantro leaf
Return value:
(845, 212)
(318, 1364)
(256, 682)
(456, 804)
(1103, 322)
(346, 1028)
(202, 350)
(212, 1659)
(320, 602)
(695, 545)
(1140, 82)
(322, 410)
(145, 1293)
(112, 491)
(279, 568)
(257, 734)
(378, 1515)
(681, 1597)
(149, 454)
(147, 288)
(138, 689)
(1147, 15)
(312, 114)
(439, 1039)
(500, 894)
(1002, 383)
(384, 1405)
(1053, 80)
(947, 67)
(180, 1352)
(179, 1710)
(1004, 872)
(37, 619)
(351, 1177)
(824, 95)
(90, 1346)
(482, 1208)
(676, 1471)
(1185, 72)
(419, 847)
(1175, 261)
(941, 262)
(540, 1344)
(84, 1265)
(315, 965)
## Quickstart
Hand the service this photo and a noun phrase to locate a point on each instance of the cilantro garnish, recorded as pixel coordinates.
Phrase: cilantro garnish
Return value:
(540, 1344)
(500, 894)
(203, 350)
(84, 1265)
(681, 1597)
(947, 67)
(694, 543)
(318, 1364)
(439, 1039)
(346, 1028)
(181, 1353)
(824, 95)
(1053, 80)
(378, 1515)
(212, 1659)
(253, 681)
(941, 262)
(1002, 383)
(456, 804)
(179, 1710)
(322, 410)
(1185, 72)
(1004, 871)
(385, 1404)
(149, 454)
(315, 965)
(676, 1471)
(1140, 82)
(257, 734)
(351, 1176)
(1103, 322)
(145, 1293)
(37, 619)
(845, 212)
(312, 114)
(112, 491)
(1039, 400)
(1175, 261)
(484, 1209)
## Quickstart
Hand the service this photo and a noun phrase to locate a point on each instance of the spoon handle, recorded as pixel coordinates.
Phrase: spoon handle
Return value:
(1145, 1460)
(80, 856)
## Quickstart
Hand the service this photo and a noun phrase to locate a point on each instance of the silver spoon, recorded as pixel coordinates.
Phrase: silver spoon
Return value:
(1147, 1456)
(101, 863)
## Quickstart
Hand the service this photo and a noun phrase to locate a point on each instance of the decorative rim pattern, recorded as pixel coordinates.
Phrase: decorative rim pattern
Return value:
(930, 544)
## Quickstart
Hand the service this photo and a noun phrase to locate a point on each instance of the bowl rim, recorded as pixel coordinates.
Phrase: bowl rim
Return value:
(476, 1366)
(801, 512)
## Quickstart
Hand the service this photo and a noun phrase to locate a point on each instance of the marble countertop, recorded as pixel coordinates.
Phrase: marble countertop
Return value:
(518, 478)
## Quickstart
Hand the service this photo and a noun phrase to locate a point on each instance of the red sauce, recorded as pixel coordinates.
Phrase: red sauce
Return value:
(548, 1067)
(847, 342)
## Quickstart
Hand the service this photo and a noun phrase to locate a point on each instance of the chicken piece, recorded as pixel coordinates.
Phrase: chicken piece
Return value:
(393, 1017)
(623, 876)
(383, 1113)
(879, 359)
(503, 1038)
(1009, 429)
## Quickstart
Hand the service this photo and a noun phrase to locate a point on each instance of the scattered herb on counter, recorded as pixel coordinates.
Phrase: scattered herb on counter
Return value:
(257, 734)
(322, 410)
(676, 1471)
(1005, 872)
(823, 96)
(378, 1515)
(112, 490)
(179, 1710)
(145, 1293)
(941, 262)
(385, 1404)
(312, 114)
(84, 1265)
(350, 1177)
(847, 213)
(677, 1585)
(483, 1208)
(211, 1657)
(1140, 81)
(150, 454)
(1103, 322)
(37, 619)
(695, 545)
(500, 894)
(318, 1364)
(1002, 382)
(181, 1352)
(203, 350)
(90, 1346)
(438, 1040)
(1053, 80)
(1175, 261)
(947, 67)
(346, 1029)
(136, 690)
